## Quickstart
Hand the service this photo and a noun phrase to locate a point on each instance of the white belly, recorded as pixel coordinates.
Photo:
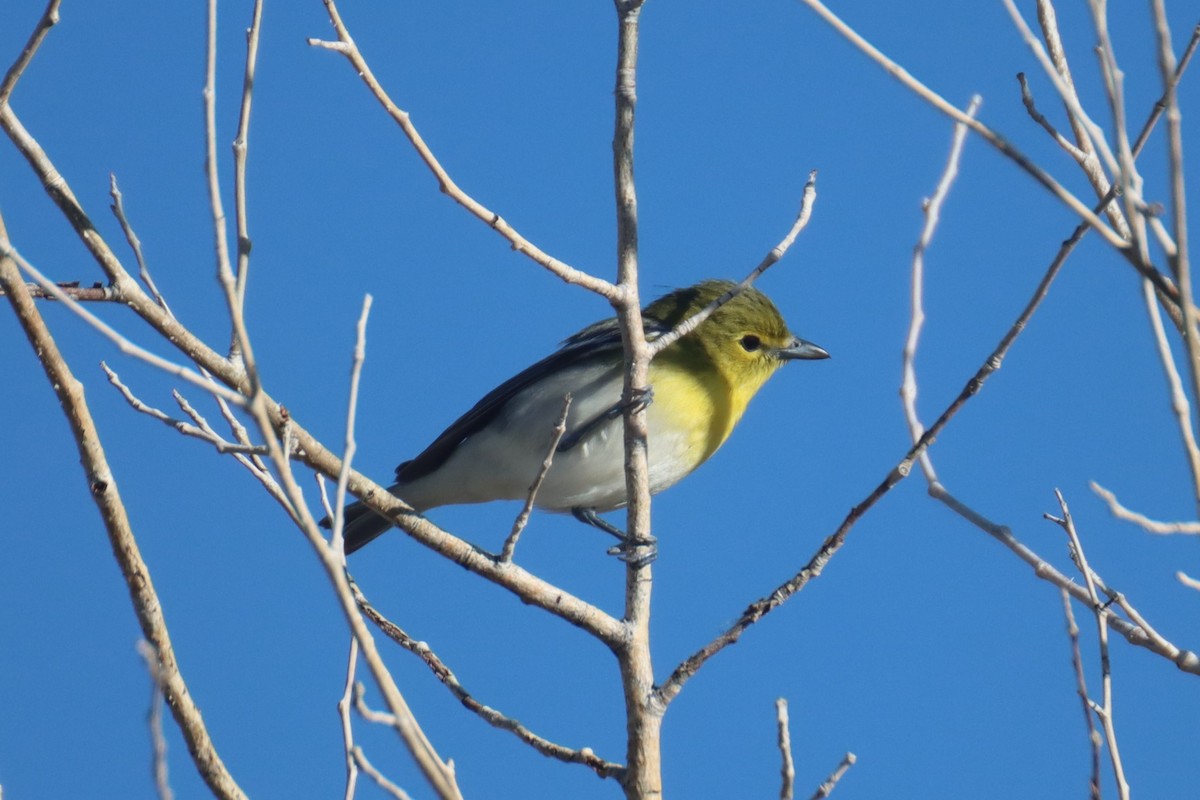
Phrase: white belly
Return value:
(501, 461)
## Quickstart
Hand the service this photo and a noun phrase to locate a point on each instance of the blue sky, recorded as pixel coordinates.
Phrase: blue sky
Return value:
(925, 648)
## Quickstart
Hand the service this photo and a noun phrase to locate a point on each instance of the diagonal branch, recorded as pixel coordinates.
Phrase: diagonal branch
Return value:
(346, 46)
(48, 20)
(103, 488)
(952, 111)
(584, 755)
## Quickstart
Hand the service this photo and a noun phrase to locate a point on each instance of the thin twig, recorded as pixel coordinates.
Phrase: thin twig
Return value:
(48, 20)
(366, 712)
(380, 780)
(993, 138)
(124, 345)
(556, 435)
(241, 146)
(932, 209)
(346, 46)
(1089, 162)
(187, 429)
(135, 244)
(220, 243)
(1180, 263)
(1104, 710)
(1141, 520)
(96, 293)
(103, 489)
(826, 788)
(583, 755)
(351, 446)
(1188, 580)
(1067, 93)
(787, 770)
(1093, 735)
(1037, 116)
(1126, 174)
(1137, 635)
(343, 707)
(808, 198)
(1181, 407)
(158, 742)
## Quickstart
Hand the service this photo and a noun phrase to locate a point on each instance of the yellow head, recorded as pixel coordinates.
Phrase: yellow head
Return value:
(727, 359)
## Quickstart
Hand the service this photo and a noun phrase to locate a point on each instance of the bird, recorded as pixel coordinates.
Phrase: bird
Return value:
(699, 388)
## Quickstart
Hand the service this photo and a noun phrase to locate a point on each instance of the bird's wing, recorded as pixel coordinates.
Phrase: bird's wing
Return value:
(599, 339)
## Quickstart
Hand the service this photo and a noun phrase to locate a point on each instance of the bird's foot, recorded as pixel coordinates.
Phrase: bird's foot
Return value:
(637, 552)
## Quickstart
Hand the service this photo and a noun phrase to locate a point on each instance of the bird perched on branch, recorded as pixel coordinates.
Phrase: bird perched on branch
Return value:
(699, 388)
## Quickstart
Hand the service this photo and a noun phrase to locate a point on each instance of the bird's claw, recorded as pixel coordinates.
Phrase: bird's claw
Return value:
(636, 552)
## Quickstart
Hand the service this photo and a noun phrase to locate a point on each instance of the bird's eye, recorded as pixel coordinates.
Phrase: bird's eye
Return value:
(750, 343)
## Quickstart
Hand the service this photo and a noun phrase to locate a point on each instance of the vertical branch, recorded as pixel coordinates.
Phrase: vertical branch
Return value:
(933, 210)
(1104, 709)
(239, 347)
(643, 776)
(339, 502)
(1180, 263)
(1081, 689)
(158, 742)
(240, 147)
(220, 243)
(787, 771)
(343, 707)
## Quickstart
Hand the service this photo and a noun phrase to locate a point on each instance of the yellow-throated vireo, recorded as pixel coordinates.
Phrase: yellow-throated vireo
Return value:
(700, 386)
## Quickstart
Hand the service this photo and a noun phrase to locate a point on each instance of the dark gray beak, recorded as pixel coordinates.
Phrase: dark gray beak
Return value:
(801, 350)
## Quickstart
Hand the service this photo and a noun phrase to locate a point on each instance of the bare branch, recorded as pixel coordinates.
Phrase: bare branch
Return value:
(584, 755)
(49, 20)
(377, 776)
(103, 488)
(1145, 523)
(241, 146)
(343, 707)
(124, 345)
(932, 208)
(1027, 99)
(1103, 710)
(993, 138)
(557, 432)
(1180, 406)
(187, 429)
(158, 742)
(1180, 263)
(339, 502)
(346, 46)
(787, 771)
(776, 253)
(135, 244)
(1135, 633)
(220, 244)
(1067, 93)
(1093, 735)
(1088, 160)
(826, 788)
(96, 293)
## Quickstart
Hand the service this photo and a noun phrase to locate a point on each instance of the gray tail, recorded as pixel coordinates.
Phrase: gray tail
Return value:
(361, 527)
